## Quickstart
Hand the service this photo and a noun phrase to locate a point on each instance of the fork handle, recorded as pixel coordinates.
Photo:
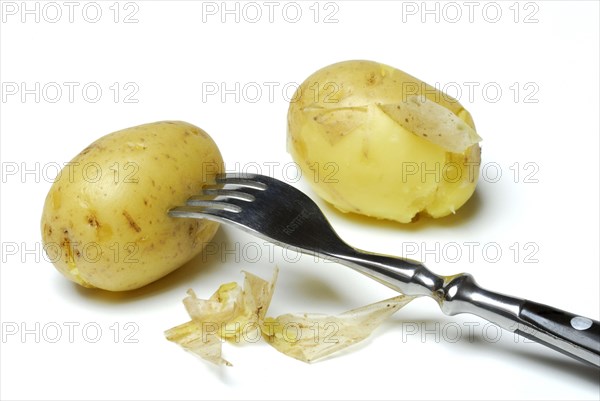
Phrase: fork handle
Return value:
(574, 330)
(571, 334)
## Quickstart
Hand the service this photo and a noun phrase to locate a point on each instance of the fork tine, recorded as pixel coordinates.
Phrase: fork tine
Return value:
(207, 205)
(238, 180)
(213, 202)
(201, 212)
(221, 194)
(245, 176)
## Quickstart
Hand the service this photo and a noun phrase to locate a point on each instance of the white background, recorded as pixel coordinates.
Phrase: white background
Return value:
(542, 55)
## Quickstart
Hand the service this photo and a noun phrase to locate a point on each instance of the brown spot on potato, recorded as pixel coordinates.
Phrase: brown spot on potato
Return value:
(93, 221)
(131, 222)
(67, 247)
(371, 79)
(88, 149)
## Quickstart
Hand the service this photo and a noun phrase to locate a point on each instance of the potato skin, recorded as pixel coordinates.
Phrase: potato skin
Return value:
(105, 221)
(360, 160)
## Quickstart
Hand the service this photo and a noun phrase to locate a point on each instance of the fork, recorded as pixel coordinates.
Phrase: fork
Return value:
(277, 212)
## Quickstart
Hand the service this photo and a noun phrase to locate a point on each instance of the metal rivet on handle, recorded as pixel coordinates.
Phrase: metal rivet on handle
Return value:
(581, 323)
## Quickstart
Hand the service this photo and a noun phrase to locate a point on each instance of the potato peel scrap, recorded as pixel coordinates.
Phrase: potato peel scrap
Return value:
(228, 313)
(432, 122)
(191, 337)
(309, 337)
(235, 314)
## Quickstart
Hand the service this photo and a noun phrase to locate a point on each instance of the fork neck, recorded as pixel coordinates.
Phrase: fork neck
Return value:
(455, 294)
(404, 275)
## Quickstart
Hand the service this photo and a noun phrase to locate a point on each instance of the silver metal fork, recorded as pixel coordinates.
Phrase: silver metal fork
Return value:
(278, 212)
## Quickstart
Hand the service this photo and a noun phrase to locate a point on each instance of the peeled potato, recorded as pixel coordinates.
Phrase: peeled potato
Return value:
(105, 221)
(376, 141)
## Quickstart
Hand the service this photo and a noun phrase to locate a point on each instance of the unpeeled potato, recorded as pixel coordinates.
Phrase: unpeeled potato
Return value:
(105, 221)
(376, 141)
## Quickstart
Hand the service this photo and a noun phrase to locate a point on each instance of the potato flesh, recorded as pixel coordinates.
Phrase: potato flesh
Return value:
(105, 221)
(360, 159)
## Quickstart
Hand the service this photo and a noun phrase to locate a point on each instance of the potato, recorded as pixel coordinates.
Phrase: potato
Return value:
(376, 141)
(105, 221)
